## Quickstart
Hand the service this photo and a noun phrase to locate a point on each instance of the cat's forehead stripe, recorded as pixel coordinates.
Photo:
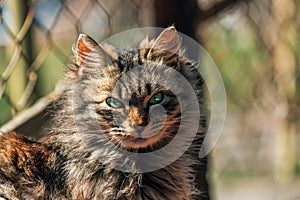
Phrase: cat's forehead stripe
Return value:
(128, 60)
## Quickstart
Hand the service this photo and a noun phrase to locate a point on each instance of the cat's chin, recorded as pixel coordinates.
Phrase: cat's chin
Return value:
(138, 143)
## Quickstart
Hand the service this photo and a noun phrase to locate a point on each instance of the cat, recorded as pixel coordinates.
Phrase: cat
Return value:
(108, 120)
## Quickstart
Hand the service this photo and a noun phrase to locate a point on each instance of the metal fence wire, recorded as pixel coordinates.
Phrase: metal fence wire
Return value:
(36, 36)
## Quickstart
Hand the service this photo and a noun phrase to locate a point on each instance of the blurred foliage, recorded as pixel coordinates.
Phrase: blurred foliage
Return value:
(36, 39)
(256, 48)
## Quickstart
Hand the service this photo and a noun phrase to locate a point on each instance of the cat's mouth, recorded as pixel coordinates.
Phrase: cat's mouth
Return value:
(152, 136)
(137, 139)
(137, 142)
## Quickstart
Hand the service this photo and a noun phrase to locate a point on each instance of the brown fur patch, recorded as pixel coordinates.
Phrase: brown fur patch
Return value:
(21, 162)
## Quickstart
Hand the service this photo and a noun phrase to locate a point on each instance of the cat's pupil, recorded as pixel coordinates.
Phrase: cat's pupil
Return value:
(157, 98)
(114, 103)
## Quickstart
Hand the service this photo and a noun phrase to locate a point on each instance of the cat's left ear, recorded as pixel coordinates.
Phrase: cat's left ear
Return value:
(88, 51)
(166, 46)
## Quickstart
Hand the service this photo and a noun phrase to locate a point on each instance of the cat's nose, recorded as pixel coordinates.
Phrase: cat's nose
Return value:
(140, 122)
(138, 118)
(139, 126)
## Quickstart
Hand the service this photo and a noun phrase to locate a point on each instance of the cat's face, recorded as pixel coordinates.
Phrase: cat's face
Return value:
(137, 117)
(127, 91)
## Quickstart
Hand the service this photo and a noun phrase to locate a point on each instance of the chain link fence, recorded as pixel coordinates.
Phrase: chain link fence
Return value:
(36, 39)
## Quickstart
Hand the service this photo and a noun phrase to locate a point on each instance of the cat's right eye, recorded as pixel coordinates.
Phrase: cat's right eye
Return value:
(114, 103)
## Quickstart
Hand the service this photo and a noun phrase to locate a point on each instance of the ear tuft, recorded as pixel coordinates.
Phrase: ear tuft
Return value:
(166, 46)
(88, 54)
(83, 47)
(85, 43)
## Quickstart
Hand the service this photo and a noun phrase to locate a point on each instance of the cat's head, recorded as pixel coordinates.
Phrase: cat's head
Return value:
(131, 95)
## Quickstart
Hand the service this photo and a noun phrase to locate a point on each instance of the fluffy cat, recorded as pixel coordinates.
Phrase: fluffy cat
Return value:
(108, 120)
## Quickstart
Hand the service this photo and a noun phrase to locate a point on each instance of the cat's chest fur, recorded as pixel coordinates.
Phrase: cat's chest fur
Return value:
(39, 172)
(85, 177)
(172, 182)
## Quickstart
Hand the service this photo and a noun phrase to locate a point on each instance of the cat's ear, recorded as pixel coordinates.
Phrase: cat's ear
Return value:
(166, 46)
(88, 51)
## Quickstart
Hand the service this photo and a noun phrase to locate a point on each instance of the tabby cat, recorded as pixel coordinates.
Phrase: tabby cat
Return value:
(120, 107)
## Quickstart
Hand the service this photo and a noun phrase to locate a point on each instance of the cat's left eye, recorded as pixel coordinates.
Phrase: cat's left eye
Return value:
(114, 103)
(156, 99)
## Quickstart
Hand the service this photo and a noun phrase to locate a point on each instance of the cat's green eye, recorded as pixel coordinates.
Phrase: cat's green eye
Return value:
(114, 103)
(156, 99)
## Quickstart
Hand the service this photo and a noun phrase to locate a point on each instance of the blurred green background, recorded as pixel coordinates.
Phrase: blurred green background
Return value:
(254, 43)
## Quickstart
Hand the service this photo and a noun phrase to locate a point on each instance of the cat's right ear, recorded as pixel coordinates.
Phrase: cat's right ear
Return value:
(88, 52)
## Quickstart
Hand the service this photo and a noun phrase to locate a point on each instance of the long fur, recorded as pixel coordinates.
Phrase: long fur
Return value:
(76, 159)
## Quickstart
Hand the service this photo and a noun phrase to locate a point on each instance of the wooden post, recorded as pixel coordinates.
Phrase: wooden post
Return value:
(183, 14)
(17, 79)
(284, 68)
